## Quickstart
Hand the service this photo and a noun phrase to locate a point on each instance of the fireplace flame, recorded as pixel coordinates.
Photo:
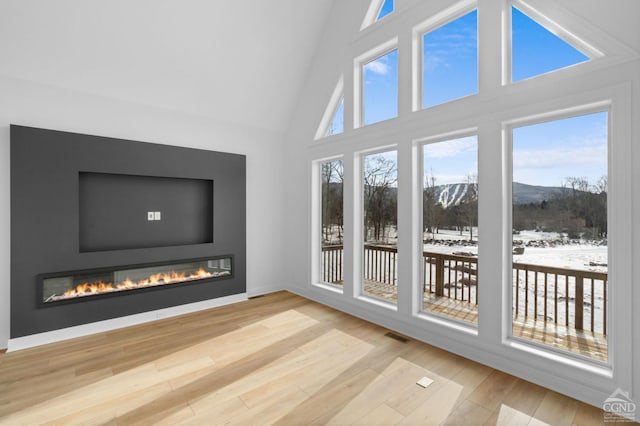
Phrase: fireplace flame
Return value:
(162, 278)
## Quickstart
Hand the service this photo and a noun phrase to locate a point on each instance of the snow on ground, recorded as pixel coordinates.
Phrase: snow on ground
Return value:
(547, 249)
(580, 256)
(571, 254)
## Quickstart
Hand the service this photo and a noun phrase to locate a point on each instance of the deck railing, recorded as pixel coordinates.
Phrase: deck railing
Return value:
(450, 275)
(381, 264)
(332, 263)
(570, 297)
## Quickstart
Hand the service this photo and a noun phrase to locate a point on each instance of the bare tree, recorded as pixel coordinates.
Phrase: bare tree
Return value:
(332, 205)
(431, 209)
(469, 204)
(380, 176)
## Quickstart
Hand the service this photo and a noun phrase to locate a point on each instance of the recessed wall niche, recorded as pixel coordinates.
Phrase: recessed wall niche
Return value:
(115, 208)
(82, 202)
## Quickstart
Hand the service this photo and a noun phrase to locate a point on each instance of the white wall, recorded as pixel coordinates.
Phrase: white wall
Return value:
(29, 104)
(617, 78)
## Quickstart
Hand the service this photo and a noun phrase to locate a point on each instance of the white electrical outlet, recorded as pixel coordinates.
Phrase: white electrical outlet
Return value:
(151, 215)
(156, 215)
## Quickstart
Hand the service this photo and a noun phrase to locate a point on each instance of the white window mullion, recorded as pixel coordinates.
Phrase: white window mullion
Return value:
(491, 51)
(493, 300)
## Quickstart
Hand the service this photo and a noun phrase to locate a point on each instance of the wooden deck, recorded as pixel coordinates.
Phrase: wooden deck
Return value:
(278, 359)
(585, 343)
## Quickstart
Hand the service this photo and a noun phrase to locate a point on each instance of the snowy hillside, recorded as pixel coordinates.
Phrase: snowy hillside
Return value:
(453, 194)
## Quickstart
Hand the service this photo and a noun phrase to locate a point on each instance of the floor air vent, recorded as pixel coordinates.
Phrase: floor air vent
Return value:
(397, 337)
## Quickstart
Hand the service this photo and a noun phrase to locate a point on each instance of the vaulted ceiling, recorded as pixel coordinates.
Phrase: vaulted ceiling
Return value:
(239, 61)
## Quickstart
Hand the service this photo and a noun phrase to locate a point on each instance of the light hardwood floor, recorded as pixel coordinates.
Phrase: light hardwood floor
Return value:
(278, 359)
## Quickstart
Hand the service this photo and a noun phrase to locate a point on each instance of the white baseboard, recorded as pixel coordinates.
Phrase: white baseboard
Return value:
(121, 322)
(259, 291)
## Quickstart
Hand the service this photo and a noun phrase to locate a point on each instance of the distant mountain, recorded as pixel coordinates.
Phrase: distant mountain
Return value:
(452, 194)
(525, 194)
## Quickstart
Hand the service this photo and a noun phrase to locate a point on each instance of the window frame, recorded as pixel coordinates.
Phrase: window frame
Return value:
(418, 310)
(615, 101)
(432, 24)
(358, 64)
(587, 49)
(316, 224)
(498, 103)
(358, 287)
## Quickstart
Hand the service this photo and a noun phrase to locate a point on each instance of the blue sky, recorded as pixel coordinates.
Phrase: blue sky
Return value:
(547, 153)
(544, 154)
(537, 51)
(451, 161)
(380, 91)
(450, 55)
(387, 8)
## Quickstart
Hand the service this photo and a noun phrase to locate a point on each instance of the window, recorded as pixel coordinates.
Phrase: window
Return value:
(332, 122)
(337, 123)
(378, 9)
(536, 50)
(332, 253)
(450, 228)
(380, 88)
(450, 61)
(380, 219)
(449, 97)
(559, 221)
(385, 9)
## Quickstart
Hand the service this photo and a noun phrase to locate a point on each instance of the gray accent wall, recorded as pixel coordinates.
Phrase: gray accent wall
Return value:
(46, 167)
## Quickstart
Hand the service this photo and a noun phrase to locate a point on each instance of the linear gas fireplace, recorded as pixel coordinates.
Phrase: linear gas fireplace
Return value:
(76, 286)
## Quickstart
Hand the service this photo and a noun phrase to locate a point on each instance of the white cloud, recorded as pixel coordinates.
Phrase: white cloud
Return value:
(450, 148)
(589, 155)
(377, 67)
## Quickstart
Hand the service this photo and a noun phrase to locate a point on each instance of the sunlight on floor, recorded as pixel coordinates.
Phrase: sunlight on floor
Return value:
(511, 416)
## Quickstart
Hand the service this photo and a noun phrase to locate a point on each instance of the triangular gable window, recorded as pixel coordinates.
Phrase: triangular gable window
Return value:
(378, 9)
(333, 119)
(385, 9)
(337, 123)
(536, 50)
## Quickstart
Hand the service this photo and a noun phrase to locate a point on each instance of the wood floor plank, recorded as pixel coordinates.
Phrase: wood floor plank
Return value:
(555, 409)
(507, 416)
(467, 413)
(493, 390)
(277, 359)
(383, 415)
(587, 415)
(435, 409)
(218, 412)
(375, 394)
(413, 396)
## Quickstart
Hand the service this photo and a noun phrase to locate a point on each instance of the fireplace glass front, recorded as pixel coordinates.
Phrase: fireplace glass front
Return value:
(79, 285)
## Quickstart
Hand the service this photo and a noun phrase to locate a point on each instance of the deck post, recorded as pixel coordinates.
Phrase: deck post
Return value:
(579, 302)
(439, 275)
